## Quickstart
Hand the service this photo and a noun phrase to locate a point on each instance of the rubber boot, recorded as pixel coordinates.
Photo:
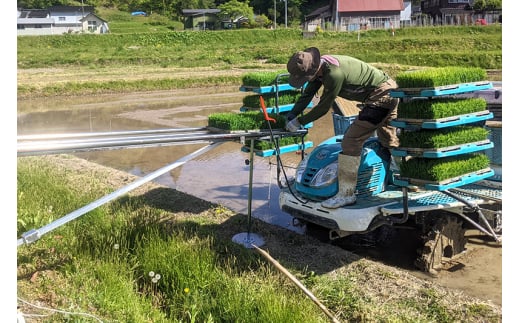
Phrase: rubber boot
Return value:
(347, 179)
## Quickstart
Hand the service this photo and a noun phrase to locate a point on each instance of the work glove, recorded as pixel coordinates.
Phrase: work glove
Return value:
(293, 125)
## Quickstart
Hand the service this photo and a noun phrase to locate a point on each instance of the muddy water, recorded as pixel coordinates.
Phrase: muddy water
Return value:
(222, 174)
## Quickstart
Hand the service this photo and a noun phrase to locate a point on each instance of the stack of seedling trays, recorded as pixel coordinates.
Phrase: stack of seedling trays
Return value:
(279, 98)
(443, 138)
(278, 95)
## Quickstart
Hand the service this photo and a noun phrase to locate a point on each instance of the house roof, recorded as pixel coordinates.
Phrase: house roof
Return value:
(85, 9)
(92, 15)
(322, 11)
(196, 12)
(34, 13)
(369, 5)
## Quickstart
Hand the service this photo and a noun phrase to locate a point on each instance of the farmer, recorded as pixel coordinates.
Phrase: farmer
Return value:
(351, 79)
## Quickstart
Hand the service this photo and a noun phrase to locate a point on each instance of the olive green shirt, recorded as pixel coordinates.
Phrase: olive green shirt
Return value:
(352, 80)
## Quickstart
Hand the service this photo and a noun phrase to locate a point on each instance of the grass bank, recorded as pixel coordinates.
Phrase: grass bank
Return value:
(228, 51)
(158, 255)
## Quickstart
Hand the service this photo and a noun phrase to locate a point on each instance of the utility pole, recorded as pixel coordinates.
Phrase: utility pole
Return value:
(285, 14)
(82, 16)
(274, 18)
(337, 15)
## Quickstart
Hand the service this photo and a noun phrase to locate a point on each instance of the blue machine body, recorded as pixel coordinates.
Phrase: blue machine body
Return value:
(372, 175)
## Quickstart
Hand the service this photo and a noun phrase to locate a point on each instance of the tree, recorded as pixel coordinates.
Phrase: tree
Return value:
(234, 9)
(38, 4)
(262, 21)
(487, 5)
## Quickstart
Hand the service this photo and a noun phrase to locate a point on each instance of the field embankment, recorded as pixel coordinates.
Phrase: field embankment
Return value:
(141, 62)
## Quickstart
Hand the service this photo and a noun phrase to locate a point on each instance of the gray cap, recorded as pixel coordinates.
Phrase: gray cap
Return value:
(303, 66)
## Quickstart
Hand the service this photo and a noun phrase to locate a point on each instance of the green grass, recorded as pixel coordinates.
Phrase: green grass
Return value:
(103, 261)
(156, 42)
(117, 86)
(465, 46)
(134, 260)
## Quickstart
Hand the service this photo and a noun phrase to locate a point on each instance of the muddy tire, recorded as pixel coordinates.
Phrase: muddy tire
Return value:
(445, 240)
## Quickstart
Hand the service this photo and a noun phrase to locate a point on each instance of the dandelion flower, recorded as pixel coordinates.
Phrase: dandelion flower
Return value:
(186, 290)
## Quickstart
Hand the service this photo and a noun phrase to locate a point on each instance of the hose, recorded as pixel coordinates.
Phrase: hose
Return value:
(276, 143)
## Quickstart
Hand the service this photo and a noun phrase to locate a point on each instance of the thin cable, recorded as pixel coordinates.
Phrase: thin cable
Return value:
(55, 310)
(279, 162)
(277, 150)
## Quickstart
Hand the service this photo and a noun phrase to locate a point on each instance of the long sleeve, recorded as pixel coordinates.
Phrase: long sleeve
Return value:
(331, 88)
(306, 97)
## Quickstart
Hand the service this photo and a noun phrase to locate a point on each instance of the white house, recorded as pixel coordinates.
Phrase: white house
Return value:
(58, 20)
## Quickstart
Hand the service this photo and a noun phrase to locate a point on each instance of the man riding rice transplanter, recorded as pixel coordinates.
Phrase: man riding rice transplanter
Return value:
(351, 79)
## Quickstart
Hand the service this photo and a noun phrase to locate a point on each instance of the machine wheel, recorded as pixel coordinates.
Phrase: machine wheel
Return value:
(445, 239)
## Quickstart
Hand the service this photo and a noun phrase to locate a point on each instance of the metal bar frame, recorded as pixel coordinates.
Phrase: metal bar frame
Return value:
(66, 143)
(35, 234)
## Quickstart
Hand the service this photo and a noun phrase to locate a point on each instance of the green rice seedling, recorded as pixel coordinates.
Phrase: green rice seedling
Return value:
(285, 97)
(440, 76)
(268, 144)
(231, 121)
(258, 79)
(439, 108)
(441, 169)
(442, 138)
(250, 120)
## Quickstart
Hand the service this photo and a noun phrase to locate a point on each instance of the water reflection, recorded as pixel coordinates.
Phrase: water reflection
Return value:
(220, 175)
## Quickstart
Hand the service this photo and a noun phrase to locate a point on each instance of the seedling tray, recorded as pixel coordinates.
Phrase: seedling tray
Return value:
(414, 124)
(283, 149)
(266, 89)
(443, 152)
(441, 90)
(458, 181)
(477, 192)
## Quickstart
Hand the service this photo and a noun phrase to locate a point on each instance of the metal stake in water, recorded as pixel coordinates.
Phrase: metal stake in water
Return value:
(247, 239)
